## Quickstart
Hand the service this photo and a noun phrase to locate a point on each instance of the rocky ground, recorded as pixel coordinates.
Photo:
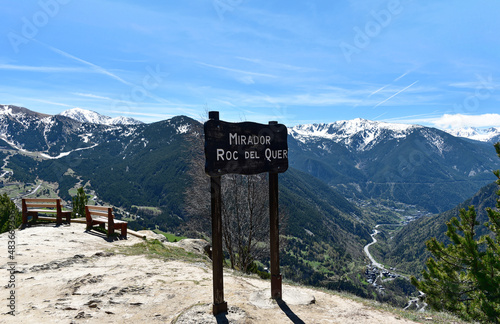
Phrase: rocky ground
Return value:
(67, 275)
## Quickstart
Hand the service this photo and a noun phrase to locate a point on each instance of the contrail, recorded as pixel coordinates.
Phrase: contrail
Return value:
(236, 70)
(378, 90)
(93, 66)
(402, 75)
(395, 94)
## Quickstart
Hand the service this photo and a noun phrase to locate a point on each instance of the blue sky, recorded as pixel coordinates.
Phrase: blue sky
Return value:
(434, 63)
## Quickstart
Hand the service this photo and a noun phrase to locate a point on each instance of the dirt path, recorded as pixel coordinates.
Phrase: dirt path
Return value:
(65, 275)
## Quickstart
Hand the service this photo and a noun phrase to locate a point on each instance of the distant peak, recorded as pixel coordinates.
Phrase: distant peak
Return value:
(354, 126)
(360, 133)
(491, 134)
(92, 117)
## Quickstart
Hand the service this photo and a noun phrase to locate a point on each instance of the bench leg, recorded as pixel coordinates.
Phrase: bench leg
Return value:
(28, 214)
(111, 230)
(58, 219)
(67, 217)
(124, 230)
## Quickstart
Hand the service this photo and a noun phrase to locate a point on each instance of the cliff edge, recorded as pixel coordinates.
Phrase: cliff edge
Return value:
(67, 275)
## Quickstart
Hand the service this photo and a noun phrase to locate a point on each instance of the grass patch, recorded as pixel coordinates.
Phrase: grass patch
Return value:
(148, 209)
(170, 237)
(156, 249)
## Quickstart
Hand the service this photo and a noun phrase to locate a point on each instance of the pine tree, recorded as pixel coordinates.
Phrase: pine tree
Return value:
(79, 202)
(464, 276)
(10, 216)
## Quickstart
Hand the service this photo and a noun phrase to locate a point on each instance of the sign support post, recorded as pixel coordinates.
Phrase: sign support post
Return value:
(219, 306)
(274, 237)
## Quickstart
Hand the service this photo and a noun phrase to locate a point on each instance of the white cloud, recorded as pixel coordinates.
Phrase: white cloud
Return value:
(460, 121)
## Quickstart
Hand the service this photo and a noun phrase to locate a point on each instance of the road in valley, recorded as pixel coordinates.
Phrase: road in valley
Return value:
(33, 191)
(367, 251)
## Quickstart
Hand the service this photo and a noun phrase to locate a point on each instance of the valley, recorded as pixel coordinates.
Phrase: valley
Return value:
(377, 274)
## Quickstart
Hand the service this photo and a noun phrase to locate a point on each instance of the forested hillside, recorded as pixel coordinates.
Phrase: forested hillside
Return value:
(407, 250)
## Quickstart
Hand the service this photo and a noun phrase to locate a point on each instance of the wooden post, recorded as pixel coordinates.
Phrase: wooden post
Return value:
(276, 292)
(25, 213)
(219, 306)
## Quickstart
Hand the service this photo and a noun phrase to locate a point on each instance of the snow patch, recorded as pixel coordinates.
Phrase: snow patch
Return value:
(183, 129)
(436, 141)
(85, 137)
(6, 111)
(63, 154)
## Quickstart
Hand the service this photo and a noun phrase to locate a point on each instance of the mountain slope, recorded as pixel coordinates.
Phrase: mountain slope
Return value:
(412, 164)
(407, 250)
(319, 209)
(145, 165)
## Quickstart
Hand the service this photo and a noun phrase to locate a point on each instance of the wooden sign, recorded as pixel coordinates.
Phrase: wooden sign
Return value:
(245, 148)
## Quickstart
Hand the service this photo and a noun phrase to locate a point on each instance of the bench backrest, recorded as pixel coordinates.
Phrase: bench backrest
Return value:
(98, 211)
(45, 203)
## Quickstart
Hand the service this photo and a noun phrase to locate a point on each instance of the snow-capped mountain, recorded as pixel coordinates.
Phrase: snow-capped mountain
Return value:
(358, 134)
(88, 116)
(490, 135)
(413, 164)
(54, 136)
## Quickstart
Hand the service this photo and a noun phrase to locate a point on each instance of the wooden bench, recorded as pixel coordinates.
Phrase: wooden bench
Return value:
(35, 206)
(100, 215)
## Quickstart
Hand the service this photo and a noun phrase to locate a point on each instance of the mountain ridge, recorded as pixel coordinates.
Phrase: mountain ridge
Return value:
(490, 135)
(349, 131)
(360, 158)
(89, 116)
